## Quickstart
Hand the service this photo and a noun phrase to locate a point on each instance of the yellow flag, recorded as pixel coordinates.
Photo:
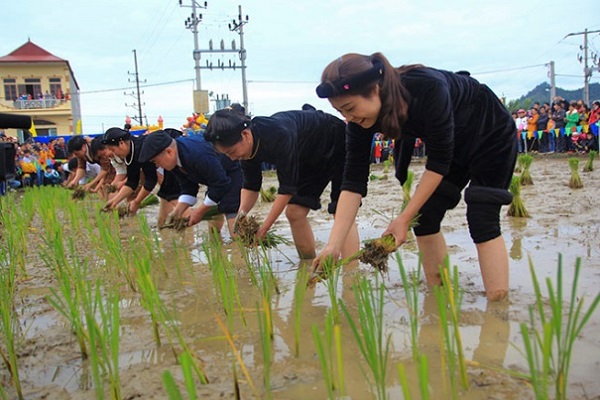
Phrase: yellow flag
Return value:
(78, 127)
(32, 129)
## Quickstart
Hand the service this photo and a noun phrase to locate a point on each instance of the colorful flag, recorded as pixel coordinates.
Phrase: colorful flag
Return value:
(32, 129)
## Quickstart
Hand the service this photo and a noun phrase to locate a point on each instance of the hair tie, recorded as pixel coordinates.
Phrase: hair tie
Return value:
(343, 85)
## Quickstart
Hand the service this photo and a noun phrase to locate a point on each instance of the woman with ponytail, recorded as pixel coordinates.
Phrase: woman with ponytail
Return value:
(470, 140)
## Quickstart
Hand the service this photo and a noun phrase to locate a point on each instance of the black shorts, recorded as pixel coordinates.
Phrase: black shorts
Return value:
(230, 203)
(312, 184)
(169, 189)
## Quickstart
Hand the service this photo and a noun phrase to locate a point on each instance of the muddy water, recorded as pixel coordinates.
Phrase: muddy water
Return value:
(563, 221)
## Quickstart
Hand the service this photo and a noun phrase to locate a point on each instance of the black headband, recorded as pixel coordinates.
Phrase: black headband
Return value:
(346, 85)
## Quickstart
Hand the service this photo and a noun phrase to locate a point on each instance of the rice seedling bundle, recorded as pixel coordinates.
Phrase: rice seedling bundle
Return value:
(519, 166)
(150, 200)
(589, 165)
(247, 227)
(108, 189)
(526, 175)
(575, 181)
(268, 196)
(517, 208)
(78, 193)
(386, 166)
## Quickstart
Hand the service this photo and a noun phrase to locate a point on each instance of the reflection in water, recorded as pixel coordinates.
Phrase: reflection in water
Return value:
(516, 251)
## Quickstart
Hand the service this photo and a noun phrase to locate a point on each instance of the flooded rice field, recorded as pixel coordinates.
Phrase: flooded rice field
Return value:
(98, 307)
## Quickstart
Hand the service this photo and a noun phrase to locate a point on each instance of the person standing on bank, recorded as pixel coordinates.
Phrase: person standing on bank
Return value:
(470, 138)
(195, 162)
(308, 150)
(128, 148)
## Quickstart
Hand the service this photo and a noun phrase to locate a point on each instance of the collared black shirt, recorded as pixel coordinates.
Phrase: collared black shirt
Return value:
(293, 140)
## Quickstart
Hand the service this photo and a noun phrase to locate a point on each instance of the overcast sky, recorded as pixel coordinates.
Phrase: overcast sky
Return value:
(505, 44)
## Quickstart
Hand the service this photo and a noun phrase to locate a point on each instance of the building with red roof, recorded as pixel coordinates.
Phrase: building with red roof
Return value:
(37, 83)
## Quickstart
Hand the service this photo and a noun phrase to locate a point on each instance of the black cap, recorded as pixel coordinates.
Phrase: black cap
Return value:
(113, 136)
(153, 144)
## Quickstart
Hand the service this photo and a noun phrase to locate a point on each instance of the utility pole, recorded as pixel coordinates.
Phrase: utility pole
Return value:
(238, 26)
(191, 23)
(138, 94)
(587, 71)
(552, 76)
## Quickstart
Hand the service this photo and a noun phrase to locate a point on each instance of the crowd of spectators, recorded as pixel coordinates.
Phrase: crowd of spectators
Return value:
(37, 164)
(562, 127)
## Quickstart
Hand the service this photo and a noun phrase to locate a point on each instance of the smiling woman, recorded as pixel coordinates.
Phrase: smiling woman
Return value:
(470, 138)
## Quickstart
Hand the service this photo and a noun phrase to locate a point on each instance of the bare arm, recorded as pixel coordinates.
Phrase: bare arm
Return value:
(400, 225)
(281, 201)
(347, 208)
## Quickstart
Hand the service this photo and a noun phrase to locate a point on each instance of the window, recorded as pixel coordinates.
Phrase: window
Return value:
(55, 87)
(10, 89)
(33, 87)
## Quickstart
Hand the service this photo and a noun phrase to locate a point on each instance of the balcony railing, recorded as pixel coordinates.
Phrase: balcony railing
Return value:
(37, 103)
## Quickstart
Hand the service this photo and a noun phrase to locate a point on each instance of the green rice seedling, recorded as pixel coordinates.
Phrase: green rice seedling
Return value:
(224, 278)
(150, 200)
(169, 382)
(373, 342)
(159, 315)
(449, 298)
(299, 294)
(14, 233)
(564, 326)
(575, 181)
(407, 186)
(108, 334)
(517, 207)
(411, 292)
(9, 323)
(149, 295)
(386, 166)
(67, 299)
(151, 242)
(589, 165)
(111, 248)
(237, 355)
(268, 196)
(172, 390)
(525, 177)
(341, 377)
(265, 329)
(3, 394)
(331, 283)
(324, 352)
(422, 375)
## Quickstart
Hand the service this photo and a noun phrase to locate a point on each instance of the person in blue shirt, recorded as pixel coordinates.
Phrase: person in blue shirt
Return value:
(470, 139)
(193, 161)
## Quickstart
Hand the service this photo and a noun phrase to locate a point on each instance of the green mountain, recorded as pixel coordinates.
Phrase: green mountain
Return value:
(541, 94)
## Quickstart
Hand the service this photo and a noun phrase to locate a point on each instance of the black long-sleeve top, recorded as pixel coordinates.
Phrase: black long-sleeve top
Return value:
(134, 167)
(293, 140)
(441, 107)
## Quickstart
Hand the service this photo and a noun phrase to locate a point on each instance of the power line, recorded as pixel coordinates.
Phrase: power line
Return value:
(509, 69)
(133, 87)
